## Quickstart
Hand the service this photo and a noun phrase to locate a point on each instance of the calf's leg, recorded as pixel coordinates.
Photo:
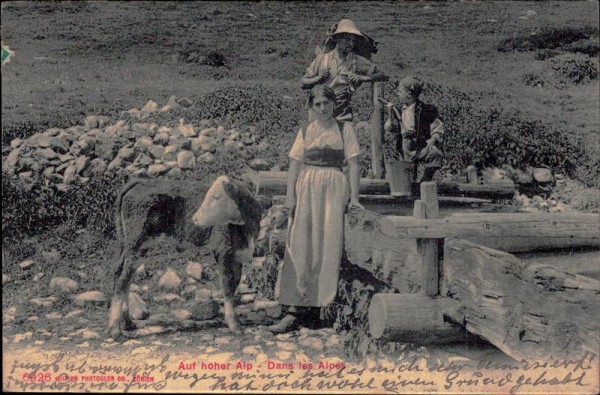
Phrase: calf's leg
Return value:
(118, 318)
(230, 272)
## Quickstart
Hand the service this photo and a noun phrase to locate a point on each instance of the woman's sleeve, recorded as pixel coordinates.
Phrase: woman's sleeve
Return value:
(351, 147)
(297, 151)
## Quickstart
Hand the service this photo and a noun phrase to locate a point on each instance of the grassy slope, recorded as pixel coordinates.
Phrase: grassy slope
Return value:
(72, 59)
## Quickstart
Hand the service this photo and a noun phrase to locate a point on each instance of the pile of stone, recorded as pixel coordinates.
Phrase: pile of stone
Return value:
(132, 143)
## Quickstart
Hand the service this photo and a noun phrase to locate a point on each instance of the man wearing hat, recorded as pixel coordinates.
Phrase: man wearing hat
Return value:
(421, 130)
(341, 68)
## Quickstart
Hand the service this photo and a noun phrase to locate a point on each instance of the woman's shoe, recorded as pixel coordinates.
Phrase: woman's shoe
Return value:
(287, 324)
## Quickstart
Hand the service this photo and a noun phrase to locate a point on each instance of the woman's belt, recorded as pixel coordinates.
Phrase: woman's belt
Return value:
(325, 157)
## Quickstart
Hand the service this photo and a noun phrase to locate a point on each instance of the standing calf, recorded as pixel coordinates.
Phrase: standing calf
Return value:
(148, 208)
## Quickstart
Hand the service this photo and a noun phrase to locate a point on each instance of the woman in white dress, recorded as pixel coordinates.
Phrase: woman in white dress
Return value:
(318, 191)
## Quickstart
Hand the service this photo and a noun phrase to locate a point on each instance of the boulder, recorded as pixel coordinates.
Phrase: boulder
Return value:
(138, 310)
(46, 153)
(90, 298)
(170, 280)
(10, 163)
(204, 310)
(149, 107)
(194, 270)
(70, 174)
(127, 153)
(170, 153)
(208, 132)
(203, 294)
(206, 157)
(48, 171)
(186, 130)
(156, 170)
(259, 164)
(5, 278)
(186, 160)
(115, 163)
(143, 160)
(63, 285)
(112, 130)
(81, 163)
(156, 151)
(43, 302)
(175, 173)
(27, 264)
(97, 167)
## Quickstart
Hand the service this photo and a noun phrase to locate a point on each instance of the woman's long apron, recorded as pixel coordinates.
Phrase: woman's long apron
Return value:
(310, 272)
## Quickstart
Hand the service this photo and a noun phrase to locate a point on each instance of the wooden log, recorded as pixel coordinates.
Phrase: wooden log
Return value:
(414, 318)
(429, 196)
(527, 311)
(275, 183)
(377, 131)
(562, 225)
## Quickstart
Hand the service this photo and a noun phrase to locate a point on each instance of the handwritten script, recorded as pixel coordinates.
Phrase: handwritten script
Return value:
(62, 373)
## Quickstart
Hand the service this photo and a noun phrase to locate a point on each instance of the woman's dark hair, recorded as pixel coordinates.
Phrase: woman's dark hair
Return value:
(321, 90)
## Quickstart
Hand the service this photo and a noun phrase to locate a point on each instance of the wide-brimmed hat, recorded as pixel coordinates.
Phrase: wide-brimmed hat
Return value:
(346, 26)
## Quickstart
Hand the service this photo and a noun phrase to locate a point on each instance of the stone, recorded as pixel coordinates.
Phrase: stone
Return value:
(54, 316)
(186, 160)
(126, 153)
(9, 164)
(156, 170)
(5, 278)
(46, 153)
(113, 129)
(52, 256)
(311, 342)
(204, 310)
(181, 314)
(287, 346)
(48, 171)
(26, 264)
(283, 355)
(208, 132)
(186, 130)
(168, 298)
(115, 163)
(188, 291)
(97, 167)
(170, 153)
(143, 143)
(247, 298)
(63, 285)
(542, 175)
(143, 160)
(175, 172)
(93, 298)
(81, 163)
(206, 157)
(141, 273)
(149, 107)
(194, 270)
(138, 310)
(70, 174)
(259, 164)
(251, 350)
(22, 336)
(83, 146)
(156, 151)
(162, 138)
(202, 294)
(85, 344)
(169, 280)
(26, 176)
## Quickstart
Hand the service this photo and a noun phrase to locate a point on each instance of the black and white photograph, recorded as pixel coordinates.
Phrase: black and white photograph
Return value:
(366, 197)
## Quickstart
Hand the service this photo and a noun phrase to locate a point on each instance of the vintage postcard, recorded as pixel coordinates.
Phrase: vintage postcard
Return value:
(297, 197)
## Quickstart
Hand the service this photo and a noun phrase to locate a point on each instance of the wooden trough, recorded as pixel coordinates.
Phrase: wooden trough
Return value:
(455, 275)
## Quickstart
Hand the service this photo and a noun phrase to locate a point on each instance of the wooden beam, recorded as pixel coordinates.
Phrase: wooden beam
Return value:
(561, 225)
(527, 311)
(275, 183)
(414, 319)
(377, 131)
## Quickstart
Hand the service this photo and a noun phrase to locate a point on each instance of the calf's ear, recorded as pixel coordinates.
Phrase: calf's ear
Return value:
(231, 189)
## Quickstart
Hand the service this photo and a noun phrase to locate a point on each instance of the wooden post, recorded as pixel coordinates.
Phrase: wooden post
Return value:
(377, 131)
(472, 174)
(428, 208)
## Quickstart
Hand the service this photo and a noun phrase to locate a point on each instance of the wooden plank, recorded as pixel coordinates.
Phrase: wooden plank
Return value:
(275, 183)
(377, 131)
(527, 311)
(560, 226)
(429, 196)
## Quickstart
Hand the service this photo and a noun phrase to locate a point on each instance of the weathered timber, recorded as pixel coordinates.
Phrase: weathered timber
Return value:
(392, 260)
(428, 208)
(275, 183)
(527, 311)
(377, 131)
(415, 319)
(542, 229)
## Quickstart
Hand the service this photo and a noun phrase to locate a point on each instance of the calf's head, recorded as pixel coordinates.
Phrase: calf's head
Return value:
(220, 205)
